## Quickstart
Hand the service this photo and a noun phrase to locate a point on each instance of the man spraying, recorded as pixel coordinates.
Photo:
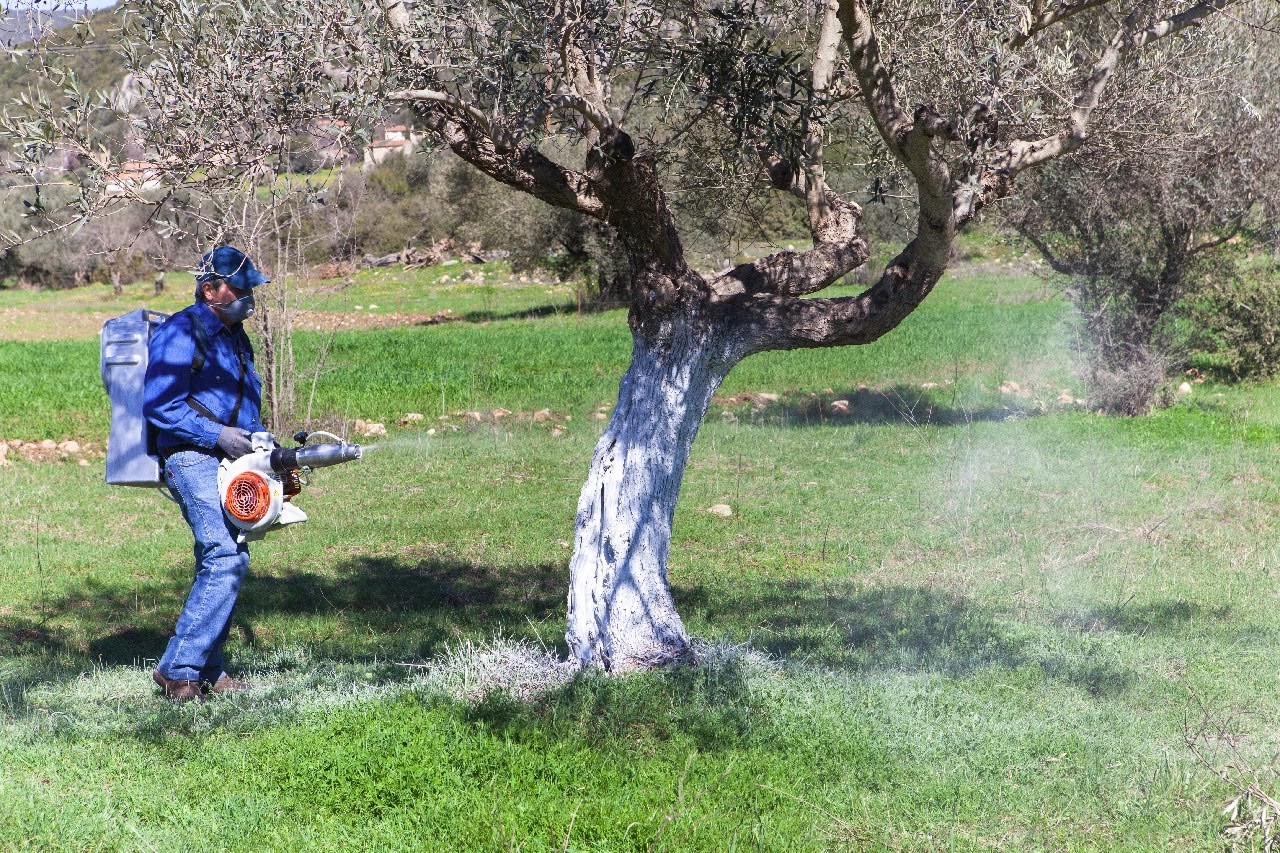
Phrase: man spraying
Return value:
(203, 409)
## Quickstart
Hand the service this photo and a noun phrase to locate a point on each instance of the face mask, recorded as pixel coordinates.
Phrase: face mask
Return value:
(238, 310)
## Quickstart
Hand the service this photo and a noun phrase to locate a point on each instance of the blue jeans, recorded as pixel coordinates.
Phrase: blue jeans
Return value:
(195, 651)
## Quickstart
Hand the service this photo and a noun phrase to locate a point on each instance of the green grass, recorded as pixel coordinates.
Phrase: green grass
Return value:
(953, 618)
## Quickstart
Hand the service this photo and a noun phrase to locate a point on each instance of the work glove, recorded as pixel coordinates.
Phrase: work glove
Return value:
(234, 442)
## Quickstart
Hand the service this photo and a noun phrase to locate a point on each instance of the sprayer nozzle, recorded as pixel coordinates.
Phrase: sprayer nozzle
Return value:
(314, 456)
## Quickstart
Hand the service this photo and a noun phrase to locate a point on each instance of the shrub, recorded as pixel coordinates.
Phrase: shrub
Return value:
(1239, 319)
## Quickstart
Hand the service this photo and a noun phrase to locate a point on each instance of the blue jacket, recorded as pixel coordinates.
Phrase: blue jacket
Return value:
(170, 381)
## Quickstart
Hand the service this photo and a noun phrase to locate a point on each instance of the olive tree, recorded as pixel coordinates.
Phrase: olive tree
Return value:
(1136, 229)
(609, 109)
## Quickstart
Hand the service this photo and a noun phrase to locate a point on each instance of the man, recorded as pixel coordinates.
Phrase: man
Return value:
(203, 398)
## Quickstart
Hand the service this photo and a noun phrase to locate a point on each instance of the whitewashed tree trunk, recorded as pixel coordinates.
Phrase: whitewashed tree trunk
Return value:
(621, 613)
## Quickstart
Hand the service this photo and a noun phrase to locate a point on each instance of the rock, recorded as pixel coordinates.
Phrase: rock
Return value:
(1184, 388)
(69, 448)
(839, 407)
(499, 414)
(600, 416)
(370, 428)
(722, 510)
(1009, 387)
(1065, 397)
(556, 432)
(410, 418)
(542, 416)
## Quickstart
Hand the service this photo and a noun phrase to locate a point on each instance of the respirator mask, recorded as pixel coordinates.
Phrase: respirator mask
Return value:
(238, 310)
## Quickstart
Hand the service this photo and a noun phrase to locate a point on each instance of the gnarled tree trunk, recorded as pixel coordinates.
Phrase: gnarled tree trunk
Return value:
(621, 613)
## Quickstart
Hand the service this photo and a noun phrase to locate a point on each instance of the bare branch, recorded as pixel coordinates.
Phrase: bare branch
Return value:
(524, 167)
(824, 63)
(1040, 16)
(422, 96)
(877, 87)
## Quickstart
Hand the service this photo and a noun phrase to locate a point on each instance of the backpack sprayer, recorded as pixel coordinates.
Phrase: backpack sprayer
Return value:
(257, 489)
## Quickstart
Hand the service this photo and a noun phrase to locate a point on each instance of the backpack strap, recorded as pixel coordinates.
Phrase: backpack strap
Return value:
(201, 335)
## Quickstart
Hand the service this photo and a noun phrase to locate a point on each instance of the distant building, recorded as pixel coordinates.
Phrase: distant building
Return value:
(133, 176)
(394, 139)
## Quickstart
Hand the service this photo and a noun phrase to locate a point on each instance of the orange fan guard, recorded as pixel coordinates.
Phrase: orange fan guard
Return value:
(249, 497)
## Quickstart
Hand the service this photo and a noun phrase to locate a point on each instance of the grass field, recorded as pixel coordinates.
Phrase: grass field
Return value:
(942, 615)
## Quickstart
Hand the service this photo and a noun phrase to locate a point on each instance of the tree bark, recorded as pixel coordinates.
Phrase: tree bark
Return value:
(621, 613)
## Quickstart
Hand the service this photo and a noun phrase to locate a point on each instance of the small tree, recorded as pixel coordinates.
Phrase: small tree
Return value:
(605, 108)
(1137, 228)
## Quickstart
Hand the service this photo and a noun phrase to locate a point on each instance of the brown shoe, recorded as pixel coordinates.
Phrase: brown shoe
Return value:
(227, 684)
(178, 690)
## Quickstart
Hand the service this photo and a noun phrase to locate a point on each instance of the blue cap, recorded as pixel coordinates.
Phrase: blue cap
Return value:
(232, 264)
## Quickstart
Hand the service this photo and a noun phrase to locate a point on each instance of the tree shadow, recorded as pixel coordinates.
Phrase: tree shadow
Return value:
(897, 404)
(1155, 617)
(842, 626)
(375, 609)
(536, 313)
(365, 608)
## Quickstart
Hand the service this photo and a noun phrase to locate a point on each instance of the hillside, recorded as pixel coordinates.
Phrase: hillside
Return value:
(96, 62)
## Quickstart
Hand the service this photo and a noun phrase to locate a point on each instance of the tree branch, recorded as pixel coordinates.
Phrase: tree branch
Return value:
(833, 221)
(1040, 16)
(587, 99)
(824, 63)
(452, 102)
(873, 78)
(524, 167)
(783, 322)
(1233, 229)
(995, 179)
